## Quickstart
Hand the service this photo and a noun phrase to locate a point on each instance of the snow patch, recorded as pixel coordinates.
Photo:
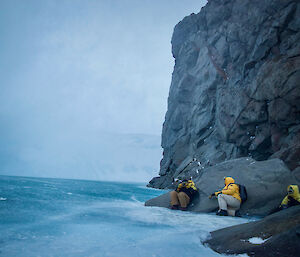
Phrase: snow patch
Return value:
(257, 240)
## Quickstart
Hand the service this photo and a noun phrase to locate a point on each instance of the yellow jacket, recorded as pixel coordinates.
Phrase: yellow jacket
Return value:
(293, 191)
(188, 184)
(230, 189)
(187, 187)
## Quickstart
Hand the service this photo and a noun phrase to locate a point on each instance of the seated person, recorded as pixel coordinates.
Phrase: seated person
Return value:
(292, 198)
(183, 195)
(229, 198)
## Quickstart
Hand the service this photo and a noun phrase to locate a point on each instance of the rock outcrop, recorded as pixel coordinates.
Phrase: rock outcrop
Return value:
(235, 88)
(266, 183)
(280, 233)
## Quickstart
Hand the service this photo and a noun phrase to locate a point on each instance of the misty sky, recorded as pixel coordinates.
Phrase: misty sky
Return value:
(84, 85)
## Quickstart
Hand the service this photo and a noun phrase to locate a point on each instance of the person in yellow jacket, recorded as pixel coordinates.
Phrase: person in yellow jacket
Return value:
(183, 195)
(292, 198)
(229, 198)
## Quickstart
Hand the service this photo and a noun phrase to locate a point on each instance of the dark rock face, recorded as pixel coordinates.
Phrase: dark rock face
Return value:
(282, 231)
(235, 88)
(266, 183)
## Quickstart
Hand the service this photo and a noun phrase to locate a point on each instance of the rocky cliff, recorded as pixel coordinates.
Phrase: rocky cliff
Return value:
(235, 88)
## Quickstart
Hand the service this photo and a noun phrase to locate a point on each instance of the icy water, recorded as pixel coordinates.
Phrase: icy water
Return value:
(56, 217)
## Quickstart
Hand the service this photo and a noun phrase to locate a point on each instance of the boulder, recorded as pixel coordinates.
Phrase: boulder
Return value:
(266, 183)
(275, 235)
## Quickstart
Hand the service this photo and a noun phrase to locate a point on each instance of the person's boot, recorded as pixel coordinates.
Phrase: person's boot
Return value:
(222, 213)
(174, 207)
(237, 213)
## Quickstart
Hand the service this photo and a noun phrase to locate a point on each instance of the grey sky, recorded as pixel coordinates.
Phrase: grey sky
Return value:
(74, 71)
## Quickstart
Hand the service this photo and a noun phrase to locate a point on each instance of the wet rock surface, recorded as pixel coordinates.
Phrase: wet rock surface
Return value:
(266, 183)
(235, 88)
(280, 234)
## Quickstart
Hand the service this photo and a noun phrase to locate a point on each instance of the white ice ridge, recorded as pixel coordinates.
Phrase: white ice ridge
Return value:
(257, 240)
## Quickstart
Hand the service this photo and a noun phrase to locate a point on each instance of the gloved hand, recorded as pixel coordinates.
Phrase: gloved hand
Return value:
(211, 196)
(284, 206)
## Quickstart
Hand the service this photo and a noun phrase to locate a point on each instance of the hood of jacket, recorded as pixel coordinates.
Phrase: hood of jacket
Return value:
(228, 180)
(293, 190)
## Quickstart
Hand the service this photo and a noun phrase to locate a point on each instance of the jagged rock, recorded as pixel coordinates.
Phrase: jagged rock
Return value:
(266, 183)
(280, 231)
(235, 88)
(161, 182)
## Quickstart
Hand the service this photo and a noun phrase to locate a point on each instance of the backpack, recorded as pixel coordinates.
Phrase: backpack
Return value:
(243, 192)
